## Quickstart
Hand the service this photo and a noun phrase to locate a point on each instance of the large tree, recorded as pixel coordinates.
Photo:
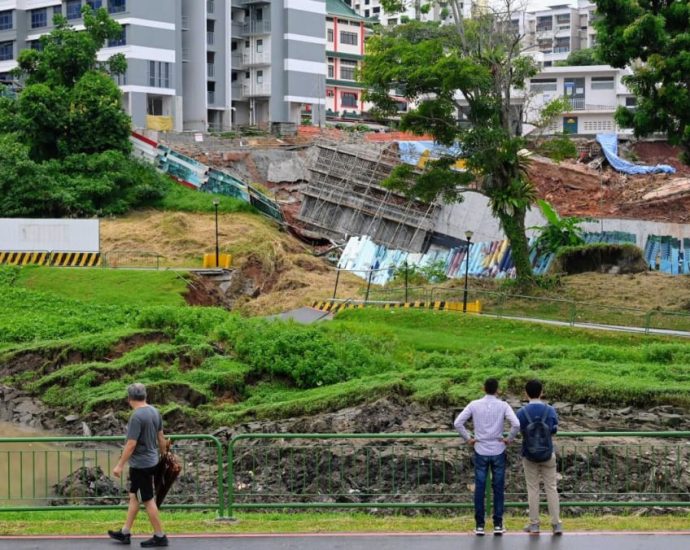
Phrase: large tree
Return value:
(70, 104)
(654, 38)
(462, 76)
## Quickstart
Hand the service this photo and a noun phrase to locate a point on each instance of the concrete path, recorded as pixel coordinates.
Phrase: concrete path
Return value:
(627, 541)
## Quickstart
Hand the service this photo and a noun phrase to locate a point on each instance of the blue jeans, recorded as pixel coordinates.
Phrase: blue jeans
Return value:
(498, 480)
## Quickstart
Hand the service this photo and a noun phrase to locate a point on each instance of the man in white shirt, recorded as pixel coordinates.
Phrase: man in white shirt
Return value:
(488, 417)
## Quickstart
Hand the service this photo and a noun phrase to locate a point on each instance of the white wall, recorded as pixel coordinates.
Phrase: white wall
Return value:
(27, 235)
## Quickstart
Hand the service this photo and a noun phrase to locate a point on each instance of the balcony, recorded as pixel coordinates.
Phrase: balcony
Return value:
(210, 6)
(210, 70)
(561, 49)
(210, 38)
(255, 89)
(579, 104)
(256, 58)
(255, 27)
(211, 98)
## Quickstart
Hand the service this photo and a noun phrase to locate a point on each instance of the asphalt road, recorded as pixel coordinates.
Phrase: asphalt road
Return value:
(635, 541)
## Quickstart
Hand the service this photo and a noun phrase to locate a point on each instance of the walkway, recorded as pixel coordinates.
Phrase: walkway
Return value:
(625, 541)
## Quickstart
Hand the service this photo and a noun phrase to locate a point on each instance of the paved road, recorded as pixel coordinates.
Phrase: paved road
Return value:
(383, 542)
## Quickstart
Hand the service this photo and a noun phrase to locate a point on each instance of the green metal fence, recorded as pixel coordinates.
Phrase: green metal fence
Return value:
(433, 470)
(49, 473)
(334, 471)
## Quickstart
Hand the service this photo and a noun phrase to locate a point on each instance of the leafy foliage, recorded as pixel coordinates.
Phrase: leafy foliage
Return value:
(652, 37)
(581, 58)
(65, 150)
(558, 148)
(434, 65)
(558, 232)
(434, 272)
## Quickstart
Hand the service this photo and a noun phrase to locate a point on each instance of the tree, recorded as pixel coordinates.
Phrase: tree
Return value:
(70, 104)
(652, 37)
(471, 68)
(579, 58)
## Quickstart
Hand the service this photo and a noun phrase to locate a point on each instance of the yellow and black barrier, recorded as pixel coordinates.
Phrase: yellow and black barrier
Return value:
(24, 258)
(75, 259)
(334, 307)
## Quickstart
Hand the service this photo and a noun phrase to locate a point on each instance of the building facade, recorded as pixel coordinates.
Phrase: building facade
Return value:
(594, 93)
(278, 62)
(345, 34)
(196, 65)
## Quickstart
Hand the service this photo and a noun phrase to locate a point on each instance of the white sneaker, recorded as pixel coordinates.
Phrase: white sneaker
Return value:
(499, 530)
(479, 531)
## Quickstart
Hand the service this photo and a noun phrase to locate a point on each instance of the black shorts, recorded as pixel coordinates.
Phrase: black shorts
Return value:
(141, 481)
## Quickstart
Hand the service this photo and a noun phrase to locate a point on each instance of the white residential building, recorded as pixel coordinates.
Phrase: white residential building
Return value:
(594, 93)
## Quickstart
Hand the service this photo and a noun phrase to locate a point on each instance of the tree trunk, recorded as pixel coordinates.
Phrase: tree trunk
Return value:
(514, 228)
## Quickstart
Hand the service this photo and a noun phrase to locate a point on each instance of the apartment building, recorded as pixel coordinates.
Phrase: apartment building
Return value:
(373, 10)
(557, 30)
(345, 35)
(278, 62)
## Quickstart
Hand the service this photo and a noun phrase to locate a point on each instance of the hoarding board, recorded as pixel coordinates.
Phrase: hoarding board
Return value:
(61, 235)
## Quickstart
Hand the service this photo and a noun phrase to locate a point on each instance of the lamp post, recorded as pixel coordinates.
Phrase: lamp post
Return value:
(468, 236)
(215, 206)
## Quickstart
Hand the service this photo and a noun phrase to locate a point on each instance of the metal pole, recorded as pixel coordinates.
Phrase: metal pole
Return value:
(215, 204)
(371, 272)
(467, 269)
(337, 278)
(405, 281)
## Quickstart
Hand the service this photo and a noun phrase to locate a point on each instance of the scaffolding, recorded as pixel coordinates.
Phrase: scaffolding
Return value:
(344, 197)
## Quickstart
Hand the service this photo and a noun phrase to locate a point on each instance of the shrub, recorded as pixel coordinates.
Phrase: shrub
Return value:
(602, 257)
(559, 148)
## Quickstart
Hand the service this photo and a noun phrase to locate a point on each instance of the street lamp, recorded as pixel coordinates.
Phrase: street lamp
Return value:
(468, 236)
(216, 202)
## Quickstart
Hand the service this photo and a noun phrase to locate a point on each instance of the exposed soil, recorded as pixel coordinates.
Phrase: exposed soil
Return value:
(49, 359)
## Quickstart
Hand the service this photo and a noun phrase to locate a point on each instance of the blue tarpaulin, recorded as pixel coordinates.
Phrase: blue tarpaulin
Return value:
(609, 143)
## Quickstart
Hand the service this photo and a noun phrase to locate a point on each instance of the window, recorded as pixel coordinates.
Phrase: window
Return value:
(598, 125)
(602, 83)
(36, 45)
(563, 19)
(73, 9)
(347, 69)
(259, 14)
(540, 85)
(39, 18)
(331, 71)
(210, 6)
(120, 79)
(401, 106)
(155, 106)
(348, 38)
(6, 51)
(117, 6)
(234, 77)
(57, 10)
(259, 77)
(119, 41)
(246, 75)
(6, 20)
(366, 13)
(159, 74)
(259, 46)
(330, 35)
(544, 23)
(95, 4)
(631, 102)
(393, 21)
(330, 93)
(376, 10)
(348, 99)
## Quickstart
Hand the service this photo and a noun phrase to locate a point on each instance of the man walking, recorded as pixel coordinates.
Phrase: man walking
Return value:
(538, 423)
(488, 416)
(145, 444)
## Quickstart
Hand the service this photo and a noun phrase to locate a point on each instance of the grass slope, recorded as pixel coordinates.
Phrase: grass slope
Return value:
(107, 286)
(221, 369)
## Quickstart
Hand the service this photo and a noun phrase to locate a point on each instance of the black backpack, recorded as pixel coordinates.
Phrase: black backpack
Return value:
(538, 443)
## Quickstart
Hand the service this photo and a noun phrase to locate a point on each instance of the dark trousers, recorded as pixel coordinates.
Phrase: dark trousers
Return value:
(482, 464)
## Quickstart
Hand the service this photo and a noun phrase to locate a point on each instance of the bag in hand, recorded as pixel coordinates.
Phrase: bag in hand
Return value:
(166, 473)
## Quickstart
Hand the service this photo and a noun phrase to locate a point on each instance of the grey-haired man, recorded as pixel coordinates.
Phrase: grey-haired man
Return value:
(145, 444)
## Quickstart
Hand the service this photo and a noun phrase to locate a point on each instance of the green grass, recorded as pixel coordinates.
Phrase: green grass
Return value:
(106, 286)
(231, 369)
(98, 522)
(179, 198)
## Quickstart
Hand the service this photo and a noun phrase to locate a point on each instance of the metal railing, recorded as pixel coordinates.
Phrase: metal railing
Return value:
(508, 305)
(49, 473)
(369, 471)
(132, 259)
(433, 470)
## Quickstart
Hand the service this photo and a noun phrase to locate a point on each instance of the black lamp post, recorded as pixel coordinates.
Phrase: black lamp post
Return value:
(215, 206)
(468, 236)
